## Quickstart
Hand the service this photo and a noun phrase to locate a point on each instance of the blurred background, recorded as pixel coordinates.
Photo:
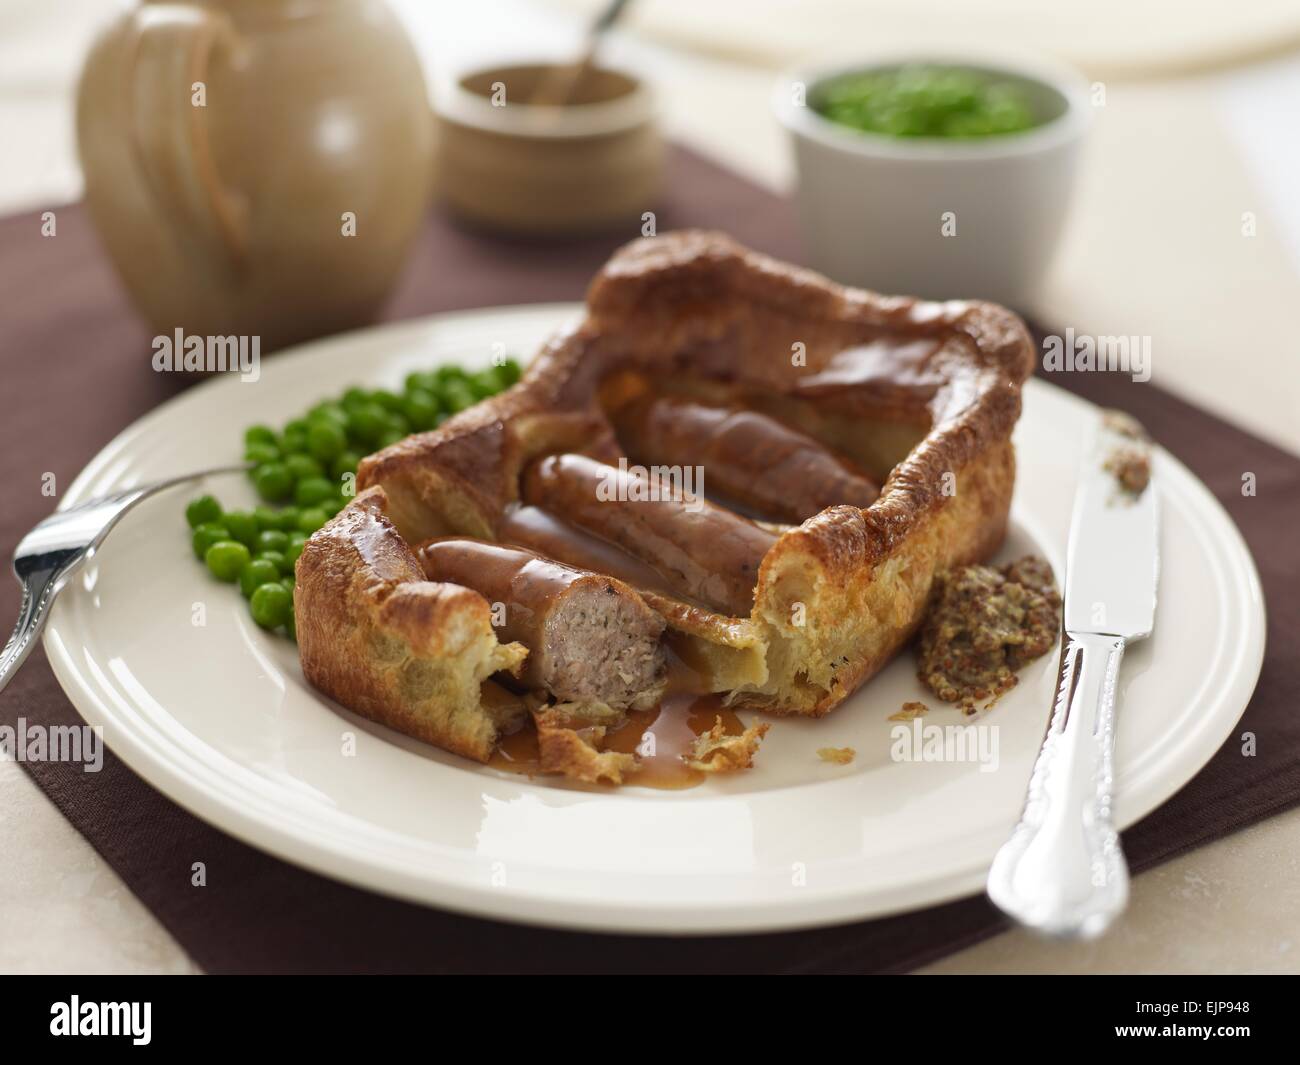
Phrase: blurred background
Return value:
(1195, 133)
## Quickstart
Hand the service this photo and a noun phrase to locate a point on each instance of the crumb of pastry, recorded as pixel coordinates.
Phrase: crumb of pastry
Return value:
(837, 755)
(983, 625)
(909, 711)
(568, 742)
(716, 752)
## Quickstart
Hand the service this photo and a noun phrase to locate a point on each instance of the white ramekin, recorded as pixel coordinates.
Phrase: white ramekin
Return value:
(936, 217)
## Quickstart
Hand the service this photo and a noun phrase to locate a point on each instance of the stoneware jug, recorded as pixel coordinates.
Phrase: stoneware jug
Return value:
(256, 167)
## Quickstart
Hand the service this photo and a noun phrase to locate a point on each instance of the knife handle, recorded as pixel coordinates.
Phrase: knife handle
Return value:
(1062, 872)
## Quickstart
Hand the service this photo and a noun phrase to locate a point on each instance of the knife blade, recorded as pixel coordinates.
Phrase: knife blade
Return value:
(1113, 561)
(1062, 872)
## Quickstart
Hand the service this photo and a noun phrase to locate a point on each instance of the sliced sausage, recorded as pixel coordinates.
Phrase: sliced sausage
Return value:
(589, 636)
(703, 551)
(749, 458)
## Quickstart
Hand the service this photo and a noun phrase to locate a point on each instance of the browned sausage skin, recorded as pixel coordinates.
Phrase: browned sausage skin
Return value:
(703, 551)
(541, 531)
(589, 637)
(749, 458)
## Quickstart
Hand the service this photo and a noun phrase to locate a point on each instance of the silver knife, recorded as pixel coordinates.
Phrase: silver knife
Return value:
(1062, 872)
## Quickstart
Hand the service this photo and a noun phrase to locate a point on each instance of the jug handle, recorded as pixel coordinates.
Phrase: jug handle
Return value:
(170, 49)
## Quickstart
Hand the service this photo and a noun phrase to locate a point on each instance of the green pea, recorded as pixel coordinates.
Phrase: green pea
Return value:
(259, 434)
(328, 411)
(303, 466)
(291, 627)
(266, 517)
(390, 401)
(457, 395)
(366, 423)
(344, 464)
(484, 384)
(205, 536)
(391, 437)
(273, 481)
(311, 519)
(277, 558)
(313, 490)
(354, 397)
(242, 526)
(297, 540)
(510, 372)
(421, 409)
(202, 511)
(226, 559)
(419, 382)
(271, 540)
(293, 441)
(925, 101)
(449, 372)
(326, 439)
(261, 453)
(272, 605)
(286, 519)
(489, 381)
(257, 573)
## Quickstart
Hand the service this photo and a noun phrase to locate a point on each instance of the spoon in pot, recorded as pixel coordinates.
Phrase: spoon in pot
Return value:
(558, 85)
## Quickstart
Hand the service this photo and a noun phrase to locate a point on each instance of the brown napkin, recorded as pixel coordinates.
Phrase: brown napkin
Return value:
(75, 370)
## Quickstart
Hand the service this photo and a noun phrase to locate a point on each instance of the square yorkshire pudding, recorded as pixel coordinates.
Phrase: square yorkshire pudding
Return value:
(731, 485)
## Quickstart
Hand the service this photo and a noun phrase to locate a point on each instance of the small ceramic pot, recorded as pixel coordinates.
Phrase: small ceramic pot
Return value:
(937, 217)
(591, 164)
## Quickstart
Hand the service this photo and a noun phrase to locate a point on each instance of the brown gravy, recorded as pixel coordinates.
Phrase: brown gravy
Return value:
(668, 730)
(660, 736)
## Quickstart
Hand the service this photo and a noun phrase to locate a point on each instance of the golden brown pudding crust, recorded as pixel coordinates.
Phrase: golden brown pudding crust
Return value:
(376, 636)
(698, 304)
(922, 396)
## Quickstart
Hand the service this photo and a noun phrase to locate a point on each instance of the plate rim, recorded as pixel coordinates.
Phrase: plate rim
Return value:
(553, 909)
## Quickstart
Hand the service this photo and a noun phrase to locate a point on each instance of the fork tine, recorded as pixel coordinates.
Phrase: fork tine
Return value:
(42, 558)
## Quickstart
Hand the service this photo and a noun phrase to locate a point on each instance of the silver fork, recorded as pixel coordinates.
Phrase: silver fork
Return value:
(52, 551)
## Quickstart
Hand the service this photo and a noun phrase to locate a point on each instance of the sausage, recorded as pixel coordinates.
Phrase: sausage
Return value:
(749, 458)
(703, 551)
(541, 531)
(589, 637)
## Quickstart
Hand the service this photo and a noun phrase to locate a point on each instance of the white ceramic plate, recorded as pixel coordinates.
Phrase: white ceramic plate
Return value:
(218, 717)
